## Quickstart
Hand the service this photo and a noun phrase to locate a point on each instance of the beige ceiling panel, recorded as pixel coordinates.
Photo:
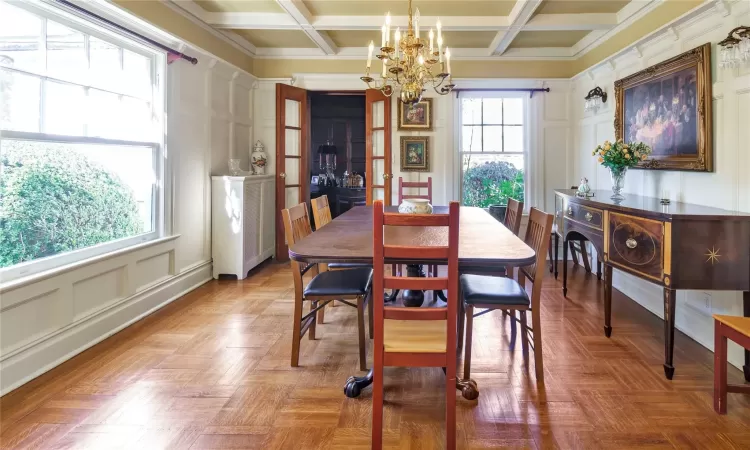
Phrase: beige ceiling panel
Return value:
(354, 38)
(264, 6)
(277, 38)
(400, 8)
(532, 39)
(581, 7)
(468, 39)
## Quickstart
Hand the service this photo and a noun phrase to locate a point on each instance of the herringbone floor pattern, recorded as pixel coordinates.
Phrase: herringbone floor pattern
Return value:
(212, 371)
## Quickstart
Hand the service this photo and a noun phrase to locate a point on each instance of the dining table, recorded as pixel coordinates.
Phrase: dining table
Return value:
(484, 243)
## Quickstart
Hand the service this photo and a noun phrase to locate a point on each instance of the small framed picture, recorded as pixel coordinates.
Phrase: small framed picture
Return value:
(415, 154)
(315, 180)
(415, 117)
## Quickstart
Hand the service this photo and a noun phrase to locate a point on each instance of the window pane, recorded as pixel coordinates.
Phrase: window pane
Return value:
(137, 81)
(513, 111)
(20, 36)
(493, 110)
(103, 109)
(513, 139)
(136, 120)
(64, 109)
(471, 111)
(66, 54)
(19, 101)
(471, 138)
(56, 198)
(106, 67)
(493, 138)
(492, 179)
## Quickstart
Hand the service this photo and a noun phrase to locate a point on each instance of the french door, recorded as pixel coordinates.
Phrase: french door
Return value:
(292, 131)
(378, 169)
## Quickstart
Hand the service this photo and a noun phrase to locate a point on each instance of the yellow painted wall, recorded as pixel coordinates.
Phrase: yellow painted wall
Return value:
(156, 13)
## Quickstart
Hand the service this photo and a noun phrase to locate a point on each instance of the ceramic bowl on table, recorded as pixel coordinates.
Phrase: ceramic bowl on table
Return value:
(415, 206)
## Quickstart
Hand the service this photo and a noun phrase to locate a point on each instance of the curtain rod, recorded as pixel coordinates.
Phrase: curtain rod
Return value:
(172, 53)
(529, 90)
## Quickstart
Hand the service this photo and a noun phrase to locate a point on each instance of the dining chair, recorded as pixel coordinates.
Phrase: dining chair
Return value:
(512, 221)
(322, 216)
(415, 337)
(397, 268)
(340, 285)
(504, 293)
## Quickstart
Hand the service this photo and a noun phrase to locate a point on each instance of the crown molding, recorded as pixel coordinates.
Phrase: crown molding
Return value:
(463, 54)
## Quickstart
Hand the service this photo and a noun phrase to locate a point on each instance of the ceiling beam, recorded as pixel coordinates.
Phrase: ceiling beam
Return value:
(519, 16)
(299, 12)
(284, 21)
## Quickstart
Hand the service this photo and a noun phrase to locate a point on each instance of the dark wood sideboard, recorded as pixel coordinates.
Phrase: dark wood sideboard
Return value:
(677, 246)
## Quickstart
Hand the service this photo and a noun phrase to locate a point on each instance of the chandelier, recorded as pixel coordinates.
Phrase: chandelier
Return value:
(409, 62)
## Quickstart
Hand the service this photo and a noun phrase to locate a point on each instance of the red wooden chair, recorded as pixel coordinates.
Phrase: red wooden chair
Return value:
(738, 330)
(396, 268)
(415, 337)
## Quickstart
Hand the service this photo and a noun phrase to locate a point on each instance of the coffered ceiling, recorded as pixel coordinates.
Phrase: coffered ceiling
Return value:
(476, 29)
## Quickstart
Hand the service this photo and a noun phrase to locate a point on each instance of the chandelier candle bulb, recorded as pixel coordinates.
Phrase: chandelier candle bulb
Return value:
(416, 24)
(440, 45)
(439, 27)
(369, 55)
(397, 38)
(388, 25)
(448, 59)
(382, 40)
(432, 37)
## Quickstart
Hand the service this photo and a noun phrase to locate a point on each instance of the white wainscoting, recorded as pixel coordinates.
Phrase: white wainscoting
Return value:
(46, 320)
(727, 187)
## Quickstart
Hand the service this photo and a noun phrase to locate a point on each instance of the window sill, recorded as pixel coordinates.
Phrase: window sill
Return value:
(40, 276)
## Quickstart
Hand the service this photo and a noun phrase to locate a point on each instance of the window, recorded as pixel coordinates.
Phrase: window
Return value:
(80, 141)
(492, 150)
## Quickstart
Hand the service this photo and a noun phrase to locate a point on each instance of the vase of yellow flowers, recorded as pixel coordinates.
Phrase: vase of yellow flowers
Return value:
(618, 157)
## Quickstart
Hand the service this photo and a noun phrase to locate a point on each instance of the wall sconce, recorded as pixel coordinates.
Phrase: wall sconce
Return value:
(594, 99)
(735, 49)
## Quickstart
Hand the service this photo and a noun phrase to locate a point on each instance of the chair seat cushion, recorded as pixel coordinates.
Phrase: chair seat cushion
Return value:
(483, 270)
(350, 282)
(480, 289)
(337, 266)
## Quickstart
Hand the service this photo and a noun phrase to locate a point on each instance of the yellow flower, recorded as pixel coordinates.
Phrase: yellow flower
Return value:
(627, 156)
(643, 157)
(602, 152)
(637, 155)
(601, 160)
(625, 150)
(607, 146)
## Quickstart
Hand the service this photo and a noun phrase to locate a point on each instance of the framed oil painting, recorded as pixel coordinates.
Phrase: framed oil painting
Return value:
(415, 154)
(416, 117)
(668, 107)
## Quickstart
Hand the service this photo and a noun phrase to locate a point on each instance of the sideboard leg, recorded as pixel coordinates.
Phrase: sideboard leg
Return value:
(746, 310)
(607, 300)
(598, 268)
(669, 303)
(557, 252)
(565, 267)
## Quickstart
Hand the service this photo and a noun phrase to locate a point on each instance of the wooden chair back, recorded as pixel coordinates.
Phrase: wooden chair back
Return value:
(513, 215)
(537, 237)
(296, 223)
(414, 185)
(321, 211)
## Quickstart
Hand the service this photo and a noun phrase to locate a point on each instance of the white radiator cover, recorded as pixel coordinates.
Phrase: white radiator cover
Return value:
(242, 223)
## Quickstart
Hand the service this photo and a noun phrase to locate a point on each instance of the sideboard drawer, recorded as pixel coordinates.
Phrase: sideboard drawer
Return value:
(636, 244)
(585, 215)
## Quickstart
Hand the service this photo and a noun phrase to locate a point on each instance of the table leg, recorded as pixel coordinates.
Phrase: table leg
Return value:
(413, 297)
(670, 296)
(720, 369)
(565, 267)
(607, 300)
(557, 252)
(746, 310)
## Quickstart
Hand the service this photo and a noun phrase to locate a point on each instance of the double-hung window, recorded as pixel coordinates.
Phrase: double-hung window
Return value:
(492, 149)
(81, 134)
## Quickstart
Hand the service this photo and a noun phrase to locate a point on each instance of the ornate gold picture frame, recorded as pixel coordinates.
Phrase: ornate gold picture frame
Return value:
(415, 154)
(417, 117)
(668, 107)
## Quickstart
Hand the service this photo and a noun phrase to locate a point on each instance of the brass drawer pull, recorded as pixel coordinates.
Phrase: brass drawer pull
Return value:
(588, 216)
(570, 211)
(631, 243)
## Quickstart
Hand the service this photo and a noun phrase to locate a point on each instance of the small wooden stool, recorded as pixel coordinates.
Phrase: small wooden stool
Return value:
(737, 329)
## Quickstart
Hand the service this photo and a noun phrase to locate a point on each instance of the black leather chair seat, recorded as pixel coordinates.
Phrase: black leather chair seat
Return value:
(348, 265)
(350, 282)
(482, 270)
(480, 289)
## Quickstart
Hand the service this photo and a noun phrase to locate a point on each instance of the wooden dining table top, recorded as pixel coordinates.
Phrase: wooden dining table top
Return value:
(483, 241)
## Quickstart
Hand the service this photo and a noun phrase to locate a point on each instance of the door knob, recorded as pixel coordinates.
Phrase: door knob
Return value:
(282, 175)
(588, 216)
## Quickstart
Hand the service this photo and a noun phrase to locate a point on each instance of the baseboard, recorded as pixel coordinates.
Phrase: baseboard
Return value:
(49, 353)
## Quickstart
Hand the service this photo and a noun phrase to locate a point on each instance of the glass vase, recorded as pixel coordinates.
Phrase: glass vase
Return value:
(618, 182)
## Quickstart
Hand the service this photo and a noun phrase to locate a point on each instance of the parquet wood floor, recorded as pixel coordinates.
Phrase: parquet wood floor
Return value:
(211, 371)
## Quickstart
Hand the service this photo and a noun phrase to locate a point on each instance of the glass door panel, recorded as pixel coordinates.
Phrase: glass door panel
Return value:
(378, 131)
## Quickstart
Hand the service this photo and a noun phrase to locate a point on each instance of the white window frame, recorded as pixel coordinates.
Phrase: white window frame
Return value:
(524, 96)
(161, 167)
